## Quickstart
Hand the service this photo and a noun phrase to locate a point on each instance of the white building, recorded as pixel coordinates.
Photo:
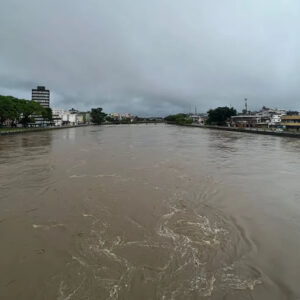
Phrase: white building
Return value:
(64, 117)
(58, 116)
(115, 116)
(198, 119)
(126, 116)
(72, 119)
(273, 115)
(269, 112)
(275, 120)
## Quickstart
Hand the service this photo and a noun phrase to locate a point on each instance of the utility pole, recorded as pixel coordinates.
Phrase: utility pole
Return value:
(246, 105)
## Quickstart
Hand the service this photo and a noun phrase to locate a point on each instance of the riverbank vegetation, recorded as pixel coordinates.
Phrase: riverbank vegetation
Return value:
(180, 119)
(15, 111)
(217, 116)
(220, 115)
(97, 115)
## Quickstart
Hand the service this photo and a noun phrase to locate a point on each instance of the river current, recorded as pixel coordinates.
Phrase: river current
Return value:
(149, 212)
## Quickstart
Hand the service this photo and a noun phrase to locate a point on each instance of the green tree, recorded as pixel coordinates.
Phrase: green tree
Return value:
(20, 110)
(47, 114)
(220, 115)
(112, 120)
(180, 119)
(28, 109)
(125, 121)
(6, 108)
(10, 109)
(97, 115)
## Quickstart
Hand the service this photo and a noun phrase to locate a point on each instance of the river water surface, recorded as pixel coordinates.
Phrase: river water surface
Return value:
(149, 212)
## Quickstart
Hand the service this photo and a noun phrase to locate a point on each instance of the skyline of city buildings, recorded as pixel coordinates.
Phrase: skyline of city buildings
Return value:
(266, 117)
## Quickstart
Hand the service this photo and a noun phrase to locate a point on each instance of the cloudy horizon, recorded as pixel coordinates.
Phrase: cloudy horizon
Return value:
(152, 57)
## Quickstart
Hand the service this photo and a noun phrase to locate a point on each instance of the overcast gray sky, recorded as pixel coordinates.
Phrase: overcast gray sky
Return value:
(152, 57)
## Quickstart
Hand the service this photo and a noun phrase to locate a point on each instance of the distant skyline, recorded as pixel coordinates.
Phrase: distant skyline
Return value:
(152, 57)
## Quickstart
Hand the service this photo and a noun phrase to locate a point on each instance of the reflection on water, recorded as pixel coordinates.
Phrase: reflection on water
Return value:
(149, 212)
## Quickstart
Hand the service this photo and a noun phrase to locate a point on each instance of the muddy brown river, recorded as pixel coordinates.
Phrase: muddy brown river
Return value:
(149, 212)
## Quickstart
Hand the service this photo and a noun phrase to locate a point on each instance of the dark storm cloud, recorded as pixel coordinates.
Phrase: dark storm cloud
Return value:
(152, 57)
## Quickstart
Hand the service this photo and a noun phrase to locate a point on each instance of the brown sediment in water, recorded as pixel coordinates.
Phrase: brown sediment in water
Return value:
(144, 212)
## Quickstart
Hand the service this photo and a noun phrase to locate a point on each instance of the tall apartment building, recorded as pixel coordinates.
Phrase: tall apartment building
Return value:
(42, 96)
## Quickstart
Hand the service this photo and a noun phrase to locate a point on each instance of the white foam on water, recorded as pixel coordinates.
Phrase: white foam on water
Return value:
(166, 232)
(196, 239)
(93, 176)
(235, 282)
(63, 287)
(47, 227)
(110, 254)
(135, 223)
(105, 175)
(114, 292)
(37, 226)
(80, 261)
(87, 215)
(117, 241)
(203, 284)
(78, 176)
(191, 240)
